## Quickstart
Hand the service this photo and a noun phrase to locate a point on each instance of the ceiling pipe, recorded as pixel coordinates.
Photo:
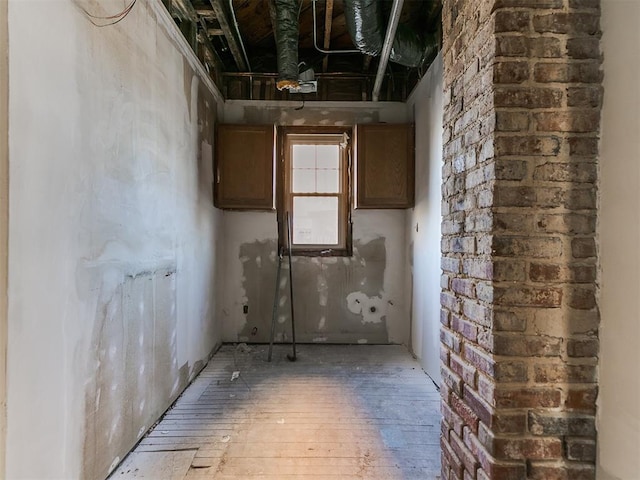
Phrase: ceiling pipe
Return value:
(235, 24)
(315, 37)
(286, 34)
(394, 18)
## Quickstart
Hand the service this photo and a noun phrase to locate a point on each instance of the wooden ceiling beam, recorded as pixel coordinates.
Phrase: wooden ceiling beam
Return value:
(225, 25)
(328, 22)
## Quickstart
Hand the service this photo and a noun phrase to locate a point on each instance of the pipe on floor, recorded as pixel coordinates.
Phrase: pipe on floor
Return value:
(394, 18)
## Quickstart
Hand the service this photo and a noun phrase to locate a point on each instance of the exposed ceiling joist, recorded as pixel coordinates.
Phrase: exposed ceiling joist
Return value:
(328, 22)
(229, 34)
(215, 32)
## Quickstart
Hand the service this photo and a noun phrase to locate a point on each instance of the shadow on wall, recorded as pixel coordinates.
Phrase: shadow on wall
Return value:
(134, 368)
(337, 299)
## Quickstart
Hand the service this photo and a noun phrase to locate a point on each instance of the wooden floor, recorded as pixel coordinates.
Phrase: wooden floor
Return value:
(338, 412)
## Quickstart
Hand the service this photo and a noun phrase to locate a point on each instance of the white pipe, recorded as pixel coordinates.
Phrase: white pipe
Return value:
(315, 37)
(235, 23)
(394, 18)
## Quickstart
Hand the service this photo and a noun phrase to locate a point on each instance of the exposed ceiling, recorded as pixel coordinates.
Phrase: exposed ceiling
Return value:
(235, 39)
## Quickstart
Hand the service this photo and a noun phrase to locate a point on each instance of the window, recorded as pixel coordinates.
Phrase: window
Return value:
(315, 190)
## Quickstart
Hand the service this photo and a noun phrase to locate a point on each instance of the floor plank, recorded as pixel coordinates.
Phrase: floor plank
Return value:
(338, 412)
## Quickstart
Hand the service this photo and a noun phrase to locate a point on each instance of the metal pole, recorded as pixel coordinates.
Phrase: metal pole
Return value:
(275, 306)
(386, 48)
(293, 323)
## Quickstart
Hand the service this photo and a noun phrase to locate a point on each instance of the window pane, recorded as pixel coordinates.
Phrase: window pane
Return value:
(328, 181)
(304, 181)
(304, 156)
(328, 156)
(315, 220)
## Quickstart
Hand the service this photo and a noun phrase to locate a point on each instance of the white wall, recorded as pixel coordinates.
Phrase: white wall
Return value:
(423, 221)
(619, 245)
(112, 234)
(322, 285)
(4, 220)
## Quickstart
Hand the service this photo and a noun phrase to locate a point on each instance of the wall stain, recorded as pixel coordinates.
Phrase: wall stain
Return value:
(323, 288)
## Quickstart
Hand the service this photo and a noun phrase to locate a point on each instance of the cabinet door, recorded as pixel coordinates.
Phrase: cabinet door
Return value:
(244, 167)
(385, 166)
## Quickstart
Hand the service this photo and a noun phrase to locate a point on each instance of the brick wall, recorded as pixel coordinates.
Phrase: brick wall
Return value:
(519, 317)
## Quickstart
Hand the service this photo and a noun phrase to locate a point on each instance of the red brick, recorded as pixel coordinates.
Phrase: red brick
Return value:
(583, 247)
(574, 121)
(464, 454)
(464, 370)
(583, 47)
(510, 423)
(581, 298)
(567, 73)
(527, 345)
(513, 222)
(582, 399)
(482, 410)
(585, 347)
(451, 379)
(464, 286)
(509, 271)
(560, 372)
(581, 449)
(451, 458)
(452, 419)
(479, 359)
(543, 247)
(449, 339)
(566, 172)
(528, 296)
(561, 424)
(561, 471)
(527, 397)
(465, 413)
(512, 371)
(511, 21)
(530, 97)
(573, 23)
(511, 72)
(510, 448)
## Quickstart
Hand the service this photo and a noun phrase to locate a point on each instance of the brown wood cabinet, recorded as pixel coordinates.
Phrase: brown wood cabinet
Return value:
(384, 166)
(244, 167)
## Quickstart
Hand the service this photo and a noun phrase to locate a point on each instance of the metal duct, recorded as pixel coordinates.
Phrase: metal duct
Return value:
(364, 21)
(286, 33)
(367, 29)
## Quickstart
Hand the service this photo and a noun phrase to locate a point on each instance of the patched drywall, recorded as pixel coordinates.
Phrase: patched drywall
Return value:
(358, 299)
(313, 113)
(113, 236)
(423, 221)
(619, 245)
(336, 300)
(4, 223)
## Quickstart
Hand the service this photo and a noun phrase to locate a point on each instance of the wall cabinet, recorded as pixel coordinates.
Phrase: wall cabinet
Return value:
(384, 166)
(244, 167)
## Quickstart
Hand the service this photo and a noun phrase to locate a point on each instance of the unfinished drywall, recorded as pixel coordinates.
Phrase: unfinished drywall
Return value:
(337, 300)
(619, 245)
(4, 223)
(423, 221)
(113, 235)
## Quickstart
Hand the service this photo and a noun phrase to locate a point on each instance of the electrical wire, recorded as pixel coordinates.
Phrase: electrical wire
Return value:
(118, 17)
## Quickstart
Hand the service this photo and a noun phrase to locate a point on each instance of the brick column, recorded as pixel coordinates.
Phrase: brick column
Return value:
(519, 315)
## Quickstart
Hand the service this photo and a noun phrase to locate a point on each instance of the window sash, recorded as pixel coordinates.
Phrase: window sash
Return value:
(291, 139)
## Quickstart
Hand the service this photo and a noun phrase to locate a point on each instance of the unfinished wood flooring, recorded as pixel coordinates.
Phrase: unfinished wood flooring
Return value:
(338, 412)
